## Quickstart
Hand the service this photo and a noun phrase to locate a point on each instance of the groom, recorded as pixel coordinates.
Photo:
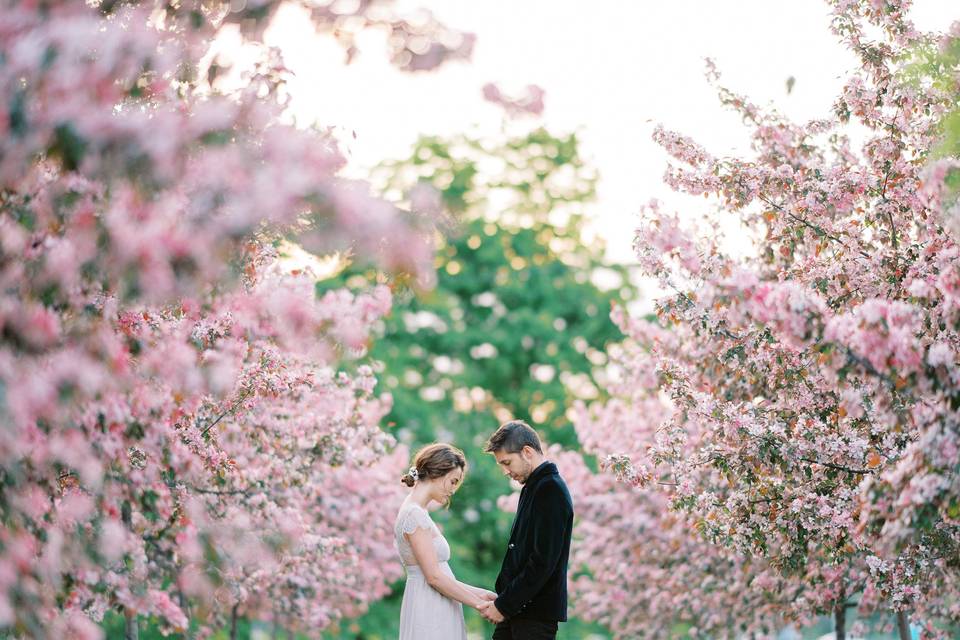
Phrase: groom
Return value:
(532, 585)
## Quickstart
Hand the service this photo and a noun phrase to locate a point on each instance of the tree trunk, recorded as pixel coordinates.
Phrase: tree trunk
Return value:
(131, 627)
(840, 616)
(233, 622)
(903, 625)
(185, 607)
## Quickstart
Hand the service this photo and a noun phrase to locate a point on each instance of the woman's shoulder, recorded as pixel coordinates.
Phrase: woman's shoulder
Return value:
(411, 514)
(410, 505)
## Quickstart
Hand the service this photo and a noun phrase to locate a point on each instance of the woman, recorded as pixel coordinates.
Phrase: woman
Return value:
(433, 598)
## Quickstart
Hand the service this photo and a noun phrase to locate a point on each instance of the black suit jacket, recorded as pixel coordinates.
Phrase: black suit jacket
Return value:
(533, 579)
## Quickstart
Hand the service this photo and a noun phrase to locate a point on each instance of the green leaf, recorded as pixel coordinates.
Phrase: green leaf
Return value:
(69, 146)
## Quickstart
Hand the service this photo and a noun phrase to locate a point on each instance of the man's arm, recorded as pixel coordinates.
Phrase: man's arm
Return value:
(552, 513)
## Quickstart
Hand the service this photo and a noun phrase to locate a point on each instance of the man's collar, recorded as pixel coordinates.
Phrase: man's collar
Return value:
(545, 468)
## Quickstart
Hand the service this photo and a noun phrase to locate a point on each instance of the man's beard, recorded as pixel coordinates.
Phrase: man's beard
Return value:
(526, 476)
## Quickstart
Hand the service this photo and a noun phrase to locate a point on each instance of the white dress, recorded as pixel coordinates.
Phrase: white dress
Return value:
(426, 614)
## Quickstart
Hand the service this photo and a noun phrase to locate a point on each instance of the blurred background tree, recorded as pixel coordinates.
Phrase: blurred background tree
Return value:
(516, 327)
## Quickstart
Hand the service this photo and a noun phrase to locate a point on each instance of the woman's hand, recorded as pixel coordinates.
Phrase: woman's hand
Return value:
(485, 598)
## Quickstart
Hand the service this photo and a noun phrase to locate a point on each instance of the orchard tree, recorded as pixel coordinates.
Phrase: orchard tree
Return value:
(188, 429)
(517, 323)
(802, 405)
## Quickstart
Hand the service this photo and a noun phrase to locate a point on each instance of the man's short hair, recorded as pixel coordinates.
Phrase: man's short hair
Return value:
(513, 436)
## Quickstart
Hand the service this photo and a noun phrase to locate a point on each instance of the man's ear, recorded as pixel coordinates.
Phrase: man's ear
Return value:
(528, 452)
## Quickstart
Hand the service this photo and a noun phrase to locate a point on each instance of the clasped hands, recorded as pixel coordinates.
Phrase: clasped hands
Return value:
(489, 610)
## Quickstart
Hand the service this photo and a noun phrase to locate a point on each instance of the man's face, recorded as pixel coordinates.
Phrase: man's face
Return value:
(516, 465)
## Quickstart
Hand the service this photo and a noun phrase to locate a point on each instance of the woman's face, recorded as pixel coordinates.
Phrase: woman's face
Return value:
(446, 486)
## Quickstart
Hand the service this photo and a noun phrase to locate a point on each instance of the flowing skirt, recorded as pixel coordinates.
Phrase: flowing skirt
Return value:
(426, 614)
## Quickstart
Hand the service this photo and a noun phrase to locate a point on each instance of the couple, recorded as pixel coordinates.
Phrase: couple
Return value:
(531, 596)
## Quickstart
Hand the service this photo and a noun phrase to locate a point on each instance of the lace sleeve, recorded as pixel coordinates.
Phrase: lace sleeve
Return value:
(413, 519)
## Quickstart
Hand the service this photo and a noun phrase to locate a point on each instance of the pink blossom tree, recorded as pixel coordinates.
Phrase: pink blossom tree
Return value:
(188, 430)
(800, 407)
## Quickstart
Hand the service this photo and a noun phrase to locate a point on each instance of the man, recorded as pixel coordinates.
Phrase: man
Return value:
(532, 585)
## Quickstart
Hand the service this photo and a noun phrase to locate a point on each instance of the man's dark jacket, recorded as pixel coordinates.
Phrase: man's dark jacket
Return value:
(533, 579)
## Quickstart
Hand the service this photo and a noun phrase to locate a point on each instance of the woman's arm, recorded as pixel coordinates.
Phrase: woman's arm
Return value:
(421, 543)
(484, 594)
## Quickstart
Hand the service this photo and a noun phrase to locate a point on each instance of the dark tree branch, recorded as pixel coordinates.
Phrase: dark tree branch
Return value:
(838, 467)
(243, 396)
(809, 224)
(221, 492)
(868, 367)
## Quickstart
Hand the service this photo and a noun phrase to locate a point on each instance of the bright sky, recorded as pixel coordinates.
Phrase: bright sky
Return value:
(611, 69)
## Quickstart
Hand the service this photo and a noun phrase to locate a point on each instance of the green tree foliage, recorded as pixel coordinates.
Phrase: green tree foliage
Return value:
(939, 65)
(935, 66)
(515, 328)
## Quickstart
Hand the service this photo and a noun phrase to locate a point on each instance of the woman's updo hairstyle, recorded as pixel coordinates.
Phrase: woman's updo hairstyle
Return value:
(434, 461)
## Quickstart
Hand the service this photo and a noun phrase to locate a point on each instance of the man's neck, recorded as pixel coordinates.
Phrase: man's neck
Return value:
(537, 463)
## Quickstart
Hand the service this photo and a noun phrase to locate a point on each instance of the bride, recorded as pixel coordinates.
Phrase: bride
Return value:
(433, 598)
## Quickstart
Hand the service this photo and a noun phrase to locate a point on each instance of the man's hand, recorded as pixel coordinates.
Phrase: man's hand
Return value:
(491, 613)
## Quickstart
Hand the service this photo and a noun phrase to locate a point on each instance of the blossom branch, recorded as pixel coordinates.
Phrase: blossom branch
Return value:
(243, 396)
(823, 232)
(838, 467)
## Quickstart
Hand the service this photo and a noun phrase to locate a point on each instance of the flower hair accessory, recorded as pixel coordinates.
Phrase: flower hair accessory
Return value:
(413, 473)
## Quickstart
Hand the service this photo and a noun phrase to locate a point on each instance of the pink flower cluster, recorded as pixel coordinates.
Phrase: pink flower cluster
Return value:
(530, 103)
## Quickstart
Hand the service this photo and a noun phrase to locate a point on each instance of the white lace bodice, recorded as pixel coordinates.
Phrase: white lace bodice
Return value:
(410, 518)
